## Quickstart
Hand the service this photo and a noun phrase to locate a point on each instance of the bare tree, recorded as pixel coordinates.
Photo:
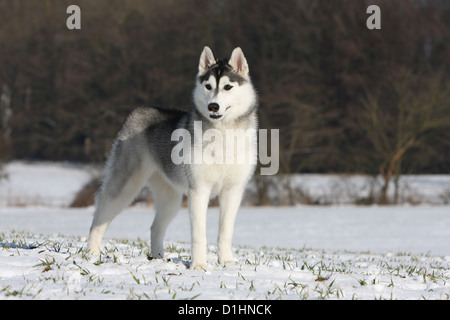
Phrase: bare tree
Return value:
(401, 115)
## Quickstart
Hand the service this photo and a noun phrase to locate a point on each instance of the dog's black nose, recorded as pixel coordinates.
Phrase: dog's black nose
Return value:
(213, 107)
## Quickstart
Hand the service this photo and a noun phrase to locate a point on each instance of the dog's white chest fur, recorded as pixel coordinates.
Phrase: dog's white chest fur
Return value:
(228, 158)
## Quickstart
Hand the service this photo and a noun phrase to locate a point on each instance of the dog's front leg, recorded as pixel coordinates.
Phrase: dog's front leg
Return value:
(229, 200)
(198, 206)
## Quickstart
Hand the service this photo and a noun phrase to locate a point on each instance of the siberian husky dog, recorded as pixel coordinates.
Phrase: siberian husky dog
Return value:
(225, 106)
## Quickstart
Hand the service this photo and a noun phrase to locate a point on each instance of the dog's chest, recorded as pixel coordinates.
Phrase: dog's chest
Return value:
(228, 158)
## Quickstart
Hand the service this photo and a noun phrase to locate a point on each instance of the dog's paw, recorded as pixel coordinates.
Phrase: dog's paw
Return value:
(226, 258)
(93, 249)
(198, 266)
(158, 255)
(227, 262)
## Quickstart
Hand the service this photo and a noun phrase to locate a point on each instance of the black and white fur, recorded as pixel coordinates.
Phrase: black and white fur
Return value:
(224, 99)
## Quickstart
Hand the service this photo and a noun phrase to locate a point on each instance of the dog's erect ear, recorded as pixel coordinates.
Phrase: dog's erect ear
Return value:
(206, 60)
(238, 62)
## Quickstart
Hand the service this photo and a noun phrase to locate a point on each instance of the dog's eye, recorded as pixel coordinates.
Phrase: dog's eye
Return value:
(228, 87)
(208, 87)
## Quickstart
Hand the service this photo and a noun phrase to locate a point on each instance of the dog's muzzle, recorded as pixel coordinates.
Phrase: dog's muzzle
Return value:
(213, 108)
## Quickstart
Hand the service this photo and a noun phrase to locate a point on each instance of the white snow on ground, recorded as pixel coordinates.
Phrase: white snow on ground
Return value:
(55, 184)
(304, 252)
(41, 183)
(59, 269)
(344, 189)
(419, 229)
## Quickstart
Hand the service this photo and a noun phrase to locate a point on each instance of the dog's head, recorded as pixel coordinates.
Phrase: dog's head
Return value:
(223, 89)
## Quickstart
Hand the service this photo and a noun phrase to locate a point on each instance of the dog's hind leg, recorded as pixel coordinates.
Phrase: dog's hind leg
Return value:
(167, 201)
(123, 180)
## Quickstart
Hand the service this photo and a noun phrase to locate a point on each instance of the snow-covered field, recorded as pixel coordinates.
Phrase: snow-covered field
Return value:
(41, 183)
(303, 252)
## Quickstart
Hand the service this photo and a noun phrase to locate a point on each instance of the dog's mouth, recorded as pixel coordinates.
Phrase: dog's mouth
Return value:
(215, 116)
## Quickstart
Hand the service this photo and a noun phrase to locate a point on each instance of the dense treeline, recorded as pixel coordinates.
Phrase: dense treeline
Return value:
(345, 98)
